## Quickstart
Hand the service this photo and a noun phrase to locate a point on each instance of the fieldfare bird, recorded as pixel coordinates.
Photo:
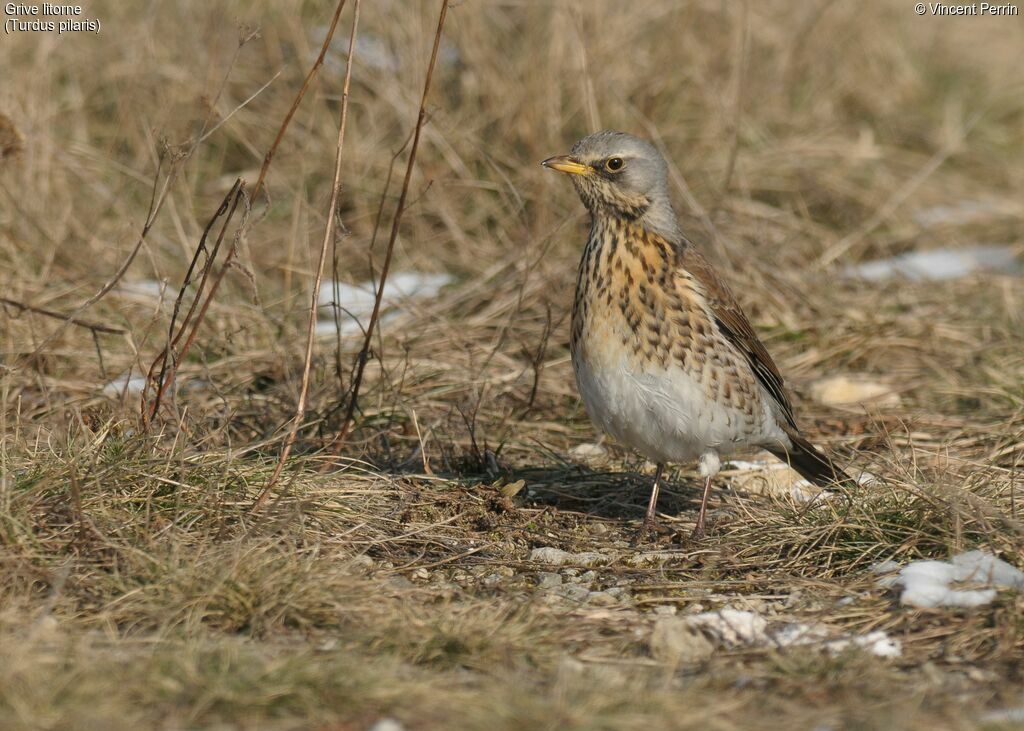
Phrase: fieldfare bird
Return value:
(665, 360)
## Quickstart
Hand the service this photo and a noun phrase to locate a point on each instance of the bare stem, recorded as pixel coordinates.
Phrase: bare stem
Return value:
(332, 218)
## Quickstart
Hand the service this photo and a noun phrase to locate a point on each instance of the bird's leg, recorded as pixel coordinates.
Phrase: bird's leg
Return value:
(649, 519)
(709, 466)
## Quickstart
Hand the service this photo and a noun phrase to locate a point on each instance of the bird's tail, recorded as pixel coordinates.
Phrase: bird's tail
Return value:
(812, 464)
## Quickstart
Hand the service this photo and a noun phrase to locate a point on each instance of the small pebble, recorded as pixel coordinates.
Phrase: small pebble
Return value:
(602, 599)
(574, 592)
(548, 580)
(362, 563)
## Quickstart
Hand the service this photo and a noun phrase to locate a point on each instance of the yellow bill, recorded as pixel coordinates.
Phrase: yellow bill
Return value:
(566, 164)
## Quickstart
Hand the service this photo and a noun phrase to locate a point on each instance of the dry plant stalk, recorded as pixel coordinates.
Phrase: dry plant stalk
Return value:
(167, 375)
(332, 218)
(95, 327)
(364, 352)
(334, 268)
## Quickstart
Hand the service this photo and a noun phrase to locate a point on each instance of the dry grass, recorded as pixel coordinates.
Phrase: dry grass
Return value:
(137, 589)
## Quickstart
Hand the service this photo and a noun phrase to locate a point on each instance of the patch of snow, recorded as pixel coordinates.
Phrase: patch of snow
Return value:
(588, 452)
(980, 566)
(1005, 715)
(929, 584)
(144, 290)
(387, 724)
(938, 264)
(801, 634)
(558, 557)
(956, 213)
(733, 628)
(124, 385)
(355, 301)
(376, 52)
(354, 298)
(878, 643)
(886, 567)
(348, 327)
(373, 51)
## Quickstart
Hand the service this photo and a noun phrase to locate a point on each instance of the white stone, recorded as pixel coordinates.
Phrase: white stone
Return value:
(557, 557)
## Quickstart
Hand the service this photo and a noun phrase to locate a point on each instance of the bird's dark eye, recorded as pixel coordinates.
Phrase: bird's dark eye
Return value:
(614, 164)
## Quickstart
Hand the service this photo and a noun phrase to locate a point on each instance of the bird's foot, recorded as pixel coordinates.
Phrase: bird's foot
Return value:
(646, 529)
(702, 528)
(651, 530)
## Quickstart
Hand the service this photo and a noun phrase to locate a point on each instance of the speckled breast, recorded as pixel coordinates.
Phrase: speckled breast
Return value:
(650, 364)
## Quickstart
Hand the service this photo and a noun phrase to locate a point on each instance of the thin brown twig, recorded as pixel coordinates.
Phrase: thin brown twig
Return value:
(94, 326)
(336, 289)
(332, 218)
(167, 376)
(228, 206)
(364, 352)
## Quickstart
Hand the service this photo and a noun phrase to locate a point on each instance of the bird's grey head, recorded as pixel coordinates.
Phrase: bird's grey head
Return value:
(619, 175)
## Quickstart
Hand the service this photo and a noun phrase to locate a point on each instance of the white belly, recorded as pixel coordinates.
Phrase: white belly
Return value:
(665, 414)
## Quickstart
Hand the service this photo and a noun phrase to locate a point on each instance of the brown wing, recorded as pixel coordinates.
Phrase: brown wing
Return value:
(737, 328)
